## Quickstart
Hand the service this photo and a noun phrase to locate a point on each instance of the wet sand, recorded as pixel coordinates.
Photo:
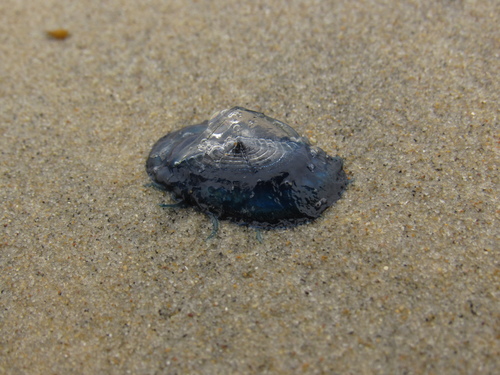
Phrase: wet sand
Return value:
(400, 276)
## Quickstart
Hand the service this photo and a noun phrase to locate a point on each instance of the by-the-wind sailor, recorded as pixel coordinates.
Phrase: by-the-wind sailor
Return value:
(247, 167)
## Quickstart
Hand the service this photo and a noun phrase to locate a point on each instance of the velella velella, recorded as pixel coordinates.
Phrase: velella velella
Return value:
(249, 168)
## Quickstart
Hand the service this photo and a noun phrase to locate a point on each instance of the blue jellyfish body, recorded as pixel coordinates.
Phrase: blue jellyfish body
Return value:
(249, 168)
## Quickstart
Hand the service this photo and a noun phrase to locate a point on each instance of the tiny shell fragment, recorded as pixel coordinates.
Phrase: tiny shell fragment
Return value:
(59, 34)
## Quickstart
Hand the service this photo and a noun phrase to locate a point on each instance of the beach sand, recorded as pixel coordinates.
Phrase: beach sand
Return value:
(401, 276)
